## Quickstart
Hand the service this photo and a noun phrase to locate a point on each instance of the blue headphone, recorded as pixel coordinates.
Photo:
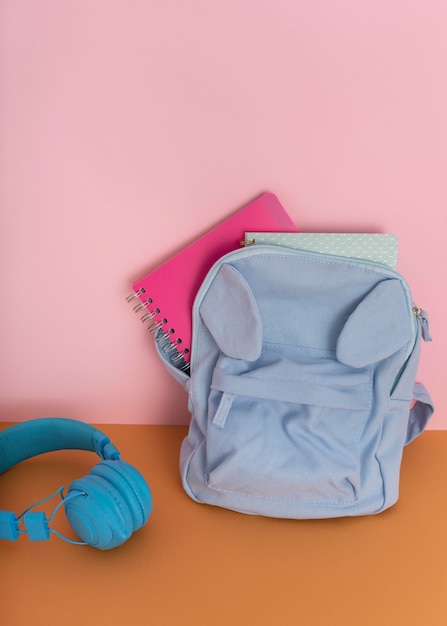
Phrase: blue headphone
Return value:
(103, 508)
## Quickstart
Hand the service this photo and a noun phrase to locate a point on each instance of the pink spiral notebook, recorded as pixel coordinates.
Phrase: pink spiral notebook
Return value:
(166, 295)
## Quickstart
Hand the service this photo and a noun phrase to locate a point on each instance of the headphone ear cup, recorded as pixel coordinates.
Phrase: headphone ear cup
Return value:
(99, 516)
(131, 486)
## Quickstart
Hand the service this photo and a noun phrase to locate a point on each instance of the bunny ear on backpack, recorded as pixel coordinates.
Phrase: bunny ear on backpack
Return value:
(230, 312)
(374, 330)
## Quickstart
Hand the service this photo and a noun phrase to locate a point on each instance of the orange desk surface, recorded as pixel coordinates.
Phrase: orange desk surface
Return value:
(196, 564)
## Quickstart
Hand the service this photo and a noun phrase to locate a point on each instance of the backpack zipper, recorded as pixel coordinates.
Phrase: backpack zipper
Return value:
(422, 317)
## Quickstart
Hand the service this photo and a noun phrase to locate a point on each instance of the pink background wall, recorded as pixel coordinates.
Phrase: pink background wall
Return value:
(130, 127)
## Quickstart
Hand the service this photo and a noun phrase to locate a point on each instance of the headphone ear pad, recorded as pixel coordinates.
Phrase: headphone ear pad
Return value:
(101, 515)
(115, 502)
(131, 486)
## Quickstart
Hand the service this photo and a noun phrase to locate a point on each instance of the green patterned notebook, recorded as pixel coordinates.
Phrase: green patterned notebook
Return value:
(380, 248)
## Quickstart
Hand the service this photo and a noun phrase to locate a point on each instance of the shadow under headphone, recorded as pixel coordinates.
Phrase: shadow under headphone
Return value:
(103, 508)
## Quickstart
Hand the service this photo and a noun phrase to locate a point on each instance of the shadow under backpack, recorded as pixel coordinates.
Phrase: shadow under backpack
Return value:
(302, 386)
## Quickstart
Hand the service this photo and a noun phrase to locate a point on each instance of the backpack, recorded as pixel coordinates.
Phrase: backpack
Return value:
(302, 387)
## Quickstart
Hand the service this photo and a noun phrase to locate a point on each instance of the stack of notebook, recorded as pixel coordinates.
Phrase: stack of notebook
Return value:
(165, 296)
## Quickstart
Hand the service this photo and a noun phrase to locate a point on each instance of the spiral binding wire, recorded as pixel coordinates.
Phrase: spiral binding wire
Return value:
(133, 296)
(176, 356)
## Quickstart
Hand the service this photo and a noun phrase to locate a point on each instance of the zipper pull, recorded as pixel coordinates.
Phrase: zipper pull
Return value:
(423, 319)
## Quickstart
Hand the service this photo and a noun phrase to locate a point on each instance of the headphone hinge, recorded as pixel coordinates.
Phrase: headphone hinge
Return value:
(104, 448)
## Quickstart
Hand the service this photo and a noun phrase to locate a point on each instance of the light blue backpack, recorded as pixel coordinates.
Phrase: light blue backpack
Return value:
(302, 385)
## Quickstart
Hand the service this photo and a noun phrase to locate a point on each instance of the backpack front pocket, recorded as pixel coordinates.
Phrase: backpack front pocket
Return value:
(287, 426)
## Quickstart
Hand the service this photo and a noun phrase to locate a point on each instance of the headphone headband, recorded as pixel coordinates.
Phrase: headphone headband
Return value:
(103, 508)
(27, 439)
